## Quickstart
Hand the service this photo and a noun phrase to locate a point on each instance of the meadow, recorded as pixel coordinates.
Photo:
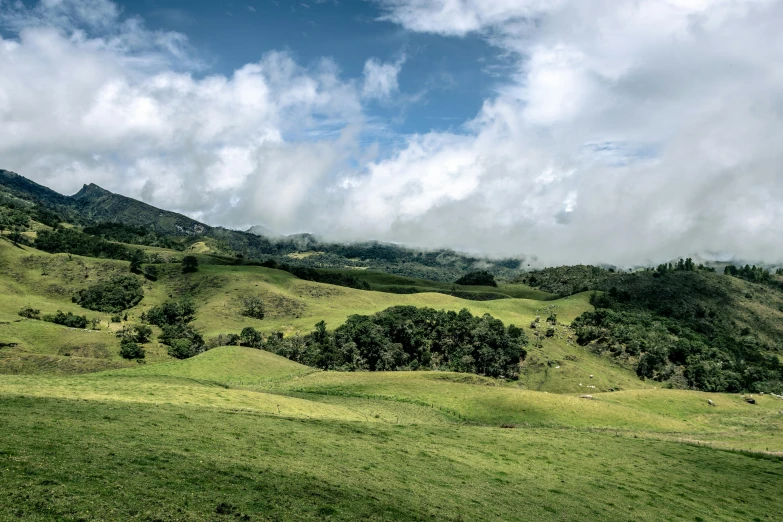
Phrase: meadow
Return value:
(242, 434)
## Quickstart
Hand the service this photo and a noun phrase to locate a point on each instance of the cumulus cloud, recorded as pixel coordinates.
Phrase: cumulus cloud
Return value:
(627, 132)
(77, 107)
(380, 79)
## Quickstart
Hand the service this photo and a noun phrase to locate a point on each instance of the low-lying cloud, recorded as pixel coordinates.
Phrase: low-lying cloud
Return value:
(629, 132)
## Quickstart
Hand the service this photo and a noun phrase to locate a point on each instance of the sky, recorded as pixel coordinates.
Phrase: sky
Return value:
(575, 131)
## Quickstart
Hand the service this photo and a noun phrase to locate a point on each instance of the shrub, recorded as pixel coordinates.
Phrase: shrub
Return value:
(189, 264)
(131, 350)
(136, 334)
(184, 348)
(30, 313)
(117, 294)
(70, 320)
(253, 307)
(151, 272)
(116, 318)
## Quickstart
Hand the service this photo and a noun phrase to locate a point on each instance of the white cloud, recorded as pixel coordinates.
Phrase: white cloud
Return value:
(629, 132)
(75, 108)
(380, 79)
(633, 132)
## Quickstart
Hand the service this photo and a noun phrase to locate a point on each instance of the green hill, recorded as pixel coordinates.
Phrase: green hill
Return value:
(227, 365)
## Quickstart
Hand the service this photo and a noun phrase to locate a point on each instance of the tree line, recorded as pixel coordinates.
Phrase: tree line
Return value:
(404, 338)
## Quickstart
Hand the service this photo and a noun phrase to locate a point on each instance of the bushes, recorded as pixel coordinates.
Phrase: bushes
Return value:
(131, 350)
(69, 320)
(184, 348)
(30, 313)
(173, 317)
(117, 294)
(137, 334)
(170, 312)
(478, 278)
(151, 272)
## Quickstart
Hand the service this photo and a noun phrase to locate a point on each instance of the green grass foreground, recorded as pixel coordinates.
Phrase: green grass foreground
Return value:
(241, 434)
(76, 460)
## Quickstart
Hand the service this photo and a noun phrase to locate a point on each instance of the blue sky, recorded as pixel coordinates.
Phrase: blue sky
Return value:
(443, 83)
(576, 131)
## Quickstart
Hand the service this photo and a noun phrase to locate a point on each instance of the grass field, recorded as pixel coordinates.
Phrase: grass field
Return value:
(241, 434)
(179, 442)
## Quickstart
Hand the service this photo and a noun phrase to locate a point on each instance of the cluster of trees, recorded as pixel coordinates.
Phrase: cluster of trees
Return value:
(310, 274)
(133, 235)
(115, 295)
(70, 320)
(174, 317)
(477, 278)
(683, 265)
(17, 215)
(131, 340)
(404, 338)
(65, 319)
(568, 280)
(680, 330)
(755, 274)
(72, 241)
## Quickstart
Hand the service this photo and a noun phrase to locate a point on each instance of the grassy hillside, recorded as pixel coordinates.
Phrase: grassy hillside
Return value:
(47, 282)
(170, 442)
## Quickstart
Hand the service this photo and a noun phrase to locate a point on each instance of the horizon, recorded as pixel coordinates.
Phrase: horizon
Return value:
(569, 132)
(527, 263)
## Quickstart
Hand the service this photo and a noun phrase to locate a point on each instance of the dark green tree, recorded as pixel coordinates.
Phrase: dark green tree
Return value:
(189, 264)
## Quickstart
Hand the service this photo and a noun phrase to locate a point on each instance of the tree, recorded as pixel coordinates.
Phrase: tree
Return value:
(151, 272)
(183, 348)
(189, 264)
(251, 337)
(253, 307)
(137, 334)
(112, 296)
(131, 350)
(137, 258)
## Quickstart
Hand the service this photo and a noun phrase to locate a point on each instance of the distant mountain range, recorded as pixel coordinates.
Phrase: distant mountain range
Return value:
(94, 205)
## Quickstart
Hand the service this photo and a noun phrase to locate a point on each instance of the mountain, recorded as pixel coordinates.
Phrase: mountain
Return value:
(260, 230)
(97, 204)
(94, 206)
